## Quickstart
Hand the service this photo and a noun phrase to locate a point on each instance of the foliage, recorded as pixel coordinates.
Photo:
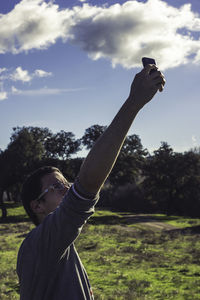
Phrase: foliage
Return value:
(70, 167)
(62, 145)
(129, 163)
(91, 135)
(21, 155)
(30, 148)
(172, 181)
(127, 197)
(164, 181)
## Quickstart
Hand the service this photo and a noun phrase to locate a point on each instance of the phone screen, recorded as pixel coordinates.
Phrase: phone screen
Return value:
(148, 61)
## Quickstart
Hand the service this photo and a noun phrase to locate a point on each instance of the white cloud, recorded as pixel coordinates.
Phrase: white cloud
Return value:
(3, 96)
(194, 140)
(41, 73)
(14, 90)
(125, 33)
(20, 75)
(3, 93)
(122, 33)
(2, 70)
(32, 24)
(23, 75)
(43, 91)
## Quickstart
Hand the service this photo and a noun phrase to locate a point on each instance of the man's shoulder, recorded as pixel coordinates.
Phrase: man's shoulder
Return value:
(26, 250)
(29, 238)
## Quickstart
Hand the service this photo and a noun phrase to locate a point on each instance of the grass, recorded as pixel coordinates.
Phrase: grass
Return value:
(11, 236)
(178, 221)
(124, 259)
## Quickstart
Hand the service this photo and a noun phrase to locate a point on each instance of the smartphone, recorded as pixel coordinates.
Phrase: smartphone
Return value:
(147, 61)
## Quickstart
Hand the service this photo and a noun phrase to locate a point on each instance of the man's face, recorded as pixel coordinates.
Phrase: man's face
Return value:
(54, 196)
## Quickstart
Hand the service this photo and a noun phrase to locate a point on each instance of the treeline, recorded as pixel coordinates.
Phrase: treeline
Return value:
(162, 182)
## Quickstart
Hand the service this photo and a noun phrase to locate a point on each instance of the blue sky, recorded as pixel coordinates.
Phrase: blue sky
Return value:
(68, 65)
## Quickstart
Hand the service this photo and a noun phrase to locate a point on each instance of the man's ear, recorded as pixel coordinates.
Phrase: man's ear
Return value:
(37, 207)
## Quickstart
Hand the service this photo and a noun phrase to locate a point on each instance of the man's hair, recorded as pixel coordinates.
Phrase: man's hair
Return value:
(32, 188)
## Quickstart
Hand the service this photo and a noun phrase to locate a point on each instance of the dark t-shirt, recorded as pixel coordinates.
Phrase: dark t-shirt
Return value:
(48, 264)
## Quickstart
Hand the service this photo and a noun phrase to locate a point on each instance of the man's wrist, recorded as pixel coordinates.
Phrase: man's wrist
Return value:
(134, 105)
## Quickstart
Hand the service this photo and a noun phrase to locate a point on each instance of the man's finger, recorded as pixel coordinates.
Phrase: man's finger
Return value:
(147, 69)
(161, 88)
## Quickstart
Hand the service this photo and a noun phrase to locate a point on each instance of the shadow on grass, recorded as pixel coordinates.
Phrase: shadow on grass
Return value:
(12, 204)
(186, 230)
(14, 219)
(128, 219)
(109, 220)
(13, 287)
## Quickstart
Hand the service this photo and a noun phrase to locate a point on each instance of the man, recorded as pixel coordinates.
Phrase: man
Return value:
(48, 265)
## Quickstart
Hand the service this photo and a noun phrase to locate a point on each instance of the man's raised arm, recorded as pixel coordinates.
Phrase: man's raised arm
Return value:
(101, 159)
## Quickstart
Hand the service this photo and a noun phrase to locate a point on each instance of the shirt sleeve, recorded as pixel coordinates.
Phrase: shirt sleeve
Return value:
(60, 228)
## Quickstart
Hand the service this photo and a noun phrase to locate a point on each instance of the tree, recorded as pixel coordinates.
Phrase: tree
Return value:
(70, 167)
(131, 157)
(62, 145)
(57, 146)
(129, 163)
(26, 147)
(187, 196)
(172, 181)
(91, 135)
(158, 173)
(2, 205)
(30, 148)
(38, 134)
(22, 153)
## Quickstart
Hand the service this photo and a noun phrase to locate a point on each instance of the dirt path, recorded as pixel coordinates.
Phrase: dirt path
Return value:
(148, 221)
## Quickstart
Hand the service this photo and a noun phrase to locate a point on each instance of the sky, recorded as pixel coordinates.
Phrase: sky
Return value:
(68, 65)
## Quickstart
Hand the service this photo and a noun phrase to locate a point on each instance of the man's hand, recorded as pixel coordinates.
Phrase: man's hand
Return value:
(145, 85)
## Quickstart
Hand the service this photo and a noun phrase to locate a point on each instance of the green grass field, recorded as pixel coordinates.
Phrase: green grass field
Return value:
(125, 257)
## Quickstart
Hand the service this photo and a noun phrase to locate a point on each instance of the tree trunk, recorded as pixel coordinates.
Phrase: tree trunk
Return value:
(2, 205)
(8, 196)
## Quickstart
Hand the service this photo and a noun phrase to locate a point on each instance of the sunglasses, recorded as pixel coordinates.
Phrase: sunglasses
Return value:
(56, 187)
